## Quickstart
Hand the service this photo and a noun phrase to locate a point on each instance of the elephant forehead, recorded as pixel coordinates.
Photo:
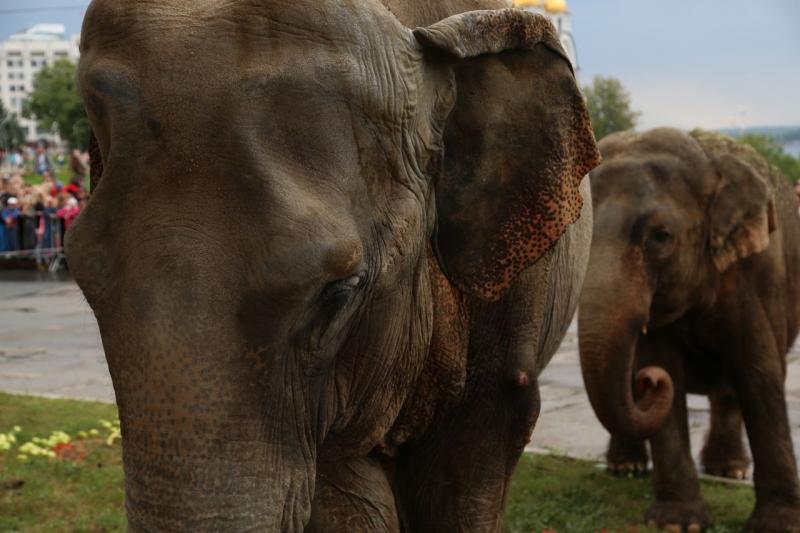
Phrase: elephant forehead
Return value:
(329, 21)
(335, 49)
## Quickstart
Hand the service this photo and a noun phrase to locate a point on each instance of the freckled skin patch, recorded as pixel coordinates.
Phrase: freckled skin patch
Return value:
(95, 162)
(528, 171)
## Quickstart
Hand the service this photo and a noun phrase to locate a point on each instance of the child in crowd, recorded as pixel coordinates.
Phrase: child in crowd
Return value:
(9, 216)
(70, 211)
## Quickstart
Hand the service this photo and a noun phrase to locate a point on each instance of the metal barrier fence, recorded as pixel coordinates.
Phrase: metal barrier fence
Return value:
(36, 238)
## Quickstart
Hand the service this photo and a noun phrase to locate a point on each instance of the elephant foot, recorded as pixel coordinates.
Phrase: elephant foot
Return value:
(725, 459)
(626, 458)
(774, 519)
(679, 517)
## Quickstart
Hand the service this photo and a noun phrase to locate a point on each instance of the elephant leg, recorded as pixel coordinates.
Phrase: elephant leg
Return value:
(456, 479)
(758, 373)
(353, 495)
(678, 504)
(627, 457)
(724, 453)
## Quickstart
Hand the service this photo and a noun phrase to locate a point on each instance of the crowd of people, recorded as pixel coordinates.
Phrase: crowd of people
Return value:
(33, 218)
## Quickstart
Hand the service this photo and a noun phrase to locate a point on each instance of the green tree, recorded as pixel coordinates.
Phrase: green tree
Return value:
(773, 152)
(55, 101)
(11, 133)
(609, 106)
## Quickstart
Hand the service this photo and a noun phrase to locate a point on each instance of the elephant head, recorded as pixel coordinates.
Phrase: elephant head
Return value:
(674, 212)
(268, 181)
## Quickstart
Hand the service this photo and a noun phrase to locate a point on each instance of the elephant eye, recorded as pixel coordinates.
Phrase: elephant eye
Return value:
(661, 236)
(328, 320)
(342, 288)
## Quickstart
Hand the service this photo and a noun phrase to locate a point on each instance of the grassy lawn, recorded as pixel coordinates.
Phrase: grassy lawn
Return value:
(565, 495)
(83, 489)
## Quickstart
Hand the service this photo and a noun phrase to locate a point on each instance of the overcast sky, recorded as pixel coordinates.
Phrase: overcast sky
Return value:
(708, 63)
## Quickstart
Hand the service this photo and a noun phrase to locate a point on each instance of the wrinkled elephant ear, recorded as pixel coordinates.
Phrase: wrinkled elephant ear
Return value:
(517, 144)
(95, 162)
(742, 213)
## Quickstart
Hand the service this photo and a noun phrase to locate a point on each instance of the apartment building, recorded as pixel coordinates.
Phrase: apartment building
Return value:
(22, 56)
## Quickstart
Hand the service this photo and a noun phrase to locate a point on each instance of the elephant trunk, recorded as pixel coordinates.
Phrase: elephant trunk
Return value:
(217, 434)
(614, 309)
(215, 488)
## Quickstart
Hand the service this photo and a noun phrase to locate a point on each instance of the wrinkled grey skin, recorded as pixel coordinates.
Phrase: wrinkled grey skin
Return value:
(693, 285)
(275, 253)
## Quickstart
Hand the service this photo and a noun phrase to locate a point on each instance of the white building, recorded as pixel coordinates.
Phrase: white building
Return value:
(22, 56)
(558, 13)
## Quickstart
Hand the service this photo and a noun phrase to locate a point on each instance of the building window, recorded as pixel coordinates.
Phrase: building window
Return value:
(34, 63)
(13, 88)
(9, 63)
(20, 63)
(61, 54)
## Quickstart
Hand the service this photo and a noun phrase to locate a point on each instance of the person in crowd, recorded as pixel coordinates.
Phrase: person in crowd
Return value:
(43, 163)
(10, 216)
(75, 188)
(28, 220)
(15, 185)
(4, 194)
(17, 160)
(77, 167)
(70, 211)
(49, 185)
(43, 223)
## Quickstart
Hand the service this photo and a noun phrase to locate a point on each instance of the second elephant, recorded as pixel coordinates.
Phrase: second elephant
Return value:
(692, 286)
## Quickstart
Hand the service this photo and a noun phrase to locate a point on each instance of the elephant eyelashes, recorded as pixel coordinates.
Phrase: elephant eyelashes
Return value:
(334, 303)
(342, 288)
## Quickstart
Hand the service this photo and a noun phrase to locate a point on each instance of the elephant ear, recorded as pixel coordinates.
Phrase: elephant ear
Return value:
(95, 162)
(517, 144)
(742, 212)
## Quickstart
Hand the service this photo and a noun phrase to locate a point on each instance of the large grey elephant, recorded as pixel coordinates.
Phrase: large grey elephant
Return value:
(323, 252)
(693, 285)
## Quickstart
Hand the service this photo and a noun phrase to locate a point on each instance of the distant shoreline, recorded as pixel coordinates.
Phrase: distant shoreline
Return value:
(787, 136)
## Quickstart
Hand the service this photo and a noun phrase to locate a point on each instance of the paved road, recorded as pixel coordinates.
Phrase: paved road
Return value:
(49, 345)
(49, 342)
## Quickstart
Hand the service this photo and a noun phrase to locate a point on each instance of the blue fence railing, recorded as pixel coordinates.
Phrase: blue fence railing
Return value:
(38, 239)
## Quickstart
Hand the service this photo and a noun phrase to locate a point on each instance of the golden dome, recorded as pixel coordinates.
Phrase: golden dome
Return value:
(556, 6)
(551, 6)
(529, 3)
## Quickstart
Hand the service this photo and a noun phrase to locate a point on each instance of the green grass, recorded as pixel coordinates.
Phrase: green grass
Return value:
(62, 173)
(566, 495)
(548, 491)
(49, 495)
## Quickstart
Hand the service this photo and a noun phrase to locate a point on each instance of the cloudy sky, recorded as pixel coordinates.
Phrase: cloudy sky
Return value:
(708, 63)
